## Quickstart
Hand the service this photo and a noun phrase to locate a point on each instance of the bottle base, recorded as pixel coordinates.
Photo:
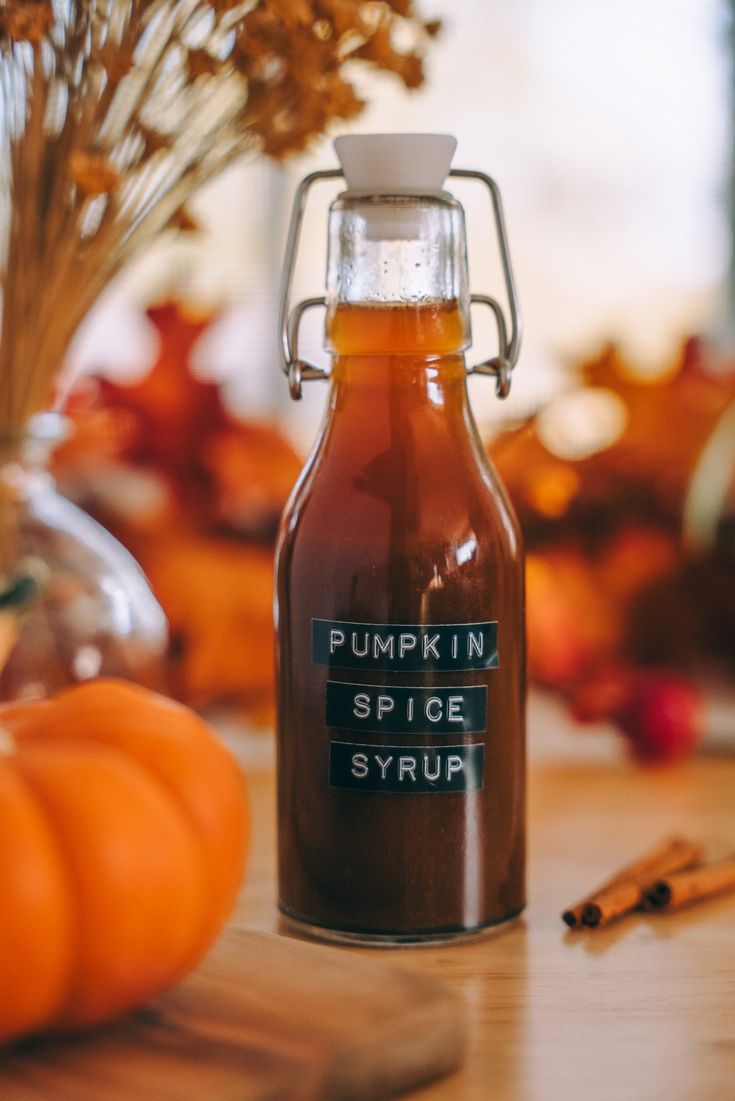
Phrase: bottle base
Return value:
(366, 939)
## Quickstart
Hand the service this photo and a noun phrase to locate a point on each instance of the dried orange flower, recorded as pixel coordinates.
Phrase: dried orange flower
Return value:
(293, 55)
(292, 13)
(115, 63)
(201, 63)
(153, 97)
(153, 140)
(184, 221)
(92, 172)
(26, 20)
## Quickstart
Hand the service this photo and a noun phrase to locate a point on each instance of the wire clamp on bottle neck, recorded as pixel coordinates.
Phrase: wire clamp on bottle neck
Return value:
(500, 366)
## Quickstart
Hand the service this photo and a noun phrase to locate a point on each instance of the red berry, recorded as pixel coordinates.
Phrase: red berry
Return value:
(662, 717)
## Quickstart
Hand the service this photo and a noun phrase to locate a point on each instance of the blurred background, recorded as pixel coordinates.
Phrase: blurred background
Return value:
(609, 129)
(607, 126)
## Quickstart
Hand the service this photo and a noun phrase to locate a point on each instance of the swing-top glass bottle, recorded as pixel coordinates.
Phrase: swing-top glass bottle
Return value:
(401, 665)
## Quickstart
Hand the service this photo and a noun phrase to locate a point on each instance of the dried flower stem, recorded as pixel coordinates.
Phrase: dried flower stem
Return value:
(115, 111)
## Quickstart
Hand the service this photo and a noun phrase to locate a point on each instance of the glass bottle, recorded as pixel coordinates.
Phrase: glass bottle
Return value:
(73, 602)
(400, 618)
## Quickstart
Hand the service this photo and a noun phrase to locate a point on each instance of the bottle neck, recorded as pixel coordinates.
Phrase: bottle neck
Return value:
(400, 347)
(25, 456)
(398, 381)
(397, 276)
(398, 407)
(397, 321)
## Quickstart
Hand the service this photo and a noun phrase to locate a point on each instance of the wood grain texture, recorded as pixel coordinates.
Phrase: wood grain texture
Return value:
(265, 1018)
(641, 1011)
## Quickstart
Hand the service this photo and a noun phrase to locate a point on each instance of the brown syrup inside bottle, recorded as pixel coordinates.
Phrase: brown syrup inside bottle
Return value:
(399, 519)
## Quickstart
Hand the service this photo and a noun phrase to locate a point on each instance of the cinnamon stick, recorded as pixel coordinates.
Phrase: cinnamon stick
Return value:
(680, 889)
(626, 895)
(623, 891)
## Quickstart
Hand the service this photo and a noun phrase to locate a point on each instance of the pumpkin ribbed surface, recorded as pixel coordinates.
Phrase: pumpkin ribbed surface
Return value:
(123, 832)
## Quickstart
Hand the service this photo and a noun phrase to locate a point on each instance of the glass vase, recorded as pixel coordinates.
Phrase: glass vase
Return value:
(74, 604)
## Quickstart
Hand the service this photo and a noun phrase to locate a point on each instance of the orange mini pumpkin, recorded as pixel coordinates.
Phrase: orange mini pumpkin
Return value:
(123, 833)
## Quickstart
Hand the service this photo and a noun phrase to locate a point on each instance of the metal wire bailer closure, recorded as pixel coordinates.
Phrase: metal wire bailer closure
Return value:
(499, 366)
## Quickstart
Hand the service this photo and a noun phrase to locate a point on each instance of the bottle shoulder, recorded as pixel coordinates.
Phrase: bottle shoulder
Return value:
(406, 514)
(401, 468)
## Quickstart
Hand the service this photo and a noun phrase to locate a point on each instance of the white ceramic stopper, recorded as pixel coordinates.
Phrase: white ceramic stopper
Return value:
(416, 164)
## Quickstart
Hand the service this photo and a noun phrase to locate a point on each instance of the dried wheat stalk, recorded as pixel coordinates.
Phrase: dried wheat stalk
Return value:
(113, 112)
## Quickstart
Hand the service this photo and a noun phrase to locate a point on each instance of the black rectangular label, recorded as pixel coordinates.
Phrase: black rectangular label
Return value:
(397, 709)
(406, 769)
(397, 647)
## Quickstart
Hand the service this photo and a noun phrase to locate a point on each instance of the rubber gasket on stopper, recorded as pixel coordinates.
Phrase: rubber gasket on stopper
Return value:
(415, 164)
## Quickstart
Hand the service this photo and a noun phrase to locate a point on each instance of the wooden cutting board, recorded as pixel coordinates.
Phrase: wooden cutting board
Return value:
(265, 1018)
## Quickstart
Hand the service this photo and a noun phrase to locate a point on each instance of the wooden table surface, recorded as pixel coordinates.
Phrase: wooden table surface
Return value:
(641, 1011)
